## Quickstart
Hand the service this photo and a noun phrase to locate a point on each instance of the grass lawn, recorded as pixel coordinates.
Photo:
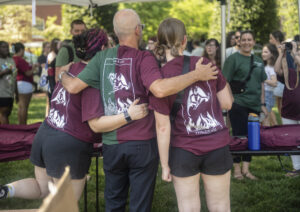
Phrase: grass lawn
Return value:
(272, 192)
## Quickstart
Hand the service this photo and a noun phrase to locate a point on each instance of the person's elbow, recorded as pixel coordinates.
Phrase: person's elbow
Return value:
(226, 103)
(72, 88)
(157, 89)
(94, 126)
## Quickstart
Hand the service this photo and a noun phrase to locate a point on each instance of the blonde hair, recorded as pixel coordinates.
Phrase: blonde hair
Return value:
(170, 35)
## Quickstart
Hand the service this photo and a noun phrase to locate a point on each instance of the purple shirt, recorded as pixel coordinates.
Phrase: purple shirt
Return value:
(133, 73)
(70, 112)
(199, 126)
(291, 98)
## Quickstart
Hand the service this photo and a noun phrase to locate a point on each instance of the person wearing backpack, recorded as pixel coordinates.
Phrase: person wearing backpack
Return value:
(199, 138)
(287, 69)
(63, 56)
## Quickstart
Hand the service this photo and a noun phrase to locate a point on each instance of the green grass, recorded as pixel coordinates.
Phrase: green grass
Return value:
(272, 192)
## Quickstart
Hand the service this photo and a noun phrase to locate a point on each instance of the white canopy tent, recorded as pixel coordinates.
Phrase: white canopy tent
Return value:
(72, 2)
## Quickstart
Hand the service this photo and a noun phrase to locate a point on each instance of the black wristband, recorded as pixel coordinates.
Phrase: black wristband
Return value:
(263, 104)
(127, 116)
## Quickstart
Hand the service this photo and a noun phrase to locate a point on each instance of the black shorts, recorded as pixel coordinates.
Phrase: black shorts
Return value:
(6, 102)
(185, 164)
(54, 150)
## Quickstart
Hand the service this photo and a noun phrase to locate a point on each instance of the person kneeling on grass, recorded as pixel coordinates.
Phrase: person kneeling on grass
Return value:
(199, 138)
(65, 137)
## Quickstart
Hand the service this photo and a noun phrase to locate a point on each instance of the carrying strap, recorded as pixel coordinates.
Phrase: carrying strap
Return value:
(285, 69)
(179, 98)
(251, 69)
(70, 52)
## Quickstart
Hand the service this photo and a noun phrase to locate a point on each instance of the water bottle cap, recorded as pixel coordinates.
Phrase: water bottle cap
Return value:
(253, 117)
(253, 114)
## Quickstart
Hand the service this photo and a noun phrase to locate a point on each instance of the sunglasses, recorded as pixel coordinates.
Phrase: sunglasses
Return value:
(142, 26)
(237, 37)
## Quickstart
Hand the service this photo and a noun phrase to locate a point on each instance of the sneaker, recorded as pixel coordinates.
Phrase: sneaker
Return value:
(3, 191)
(292, 174)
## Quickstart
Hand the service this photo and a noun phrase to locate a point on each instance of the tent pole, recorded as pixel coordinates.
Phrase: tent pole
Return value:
(299, 15)
(223, 31)
(33, 13)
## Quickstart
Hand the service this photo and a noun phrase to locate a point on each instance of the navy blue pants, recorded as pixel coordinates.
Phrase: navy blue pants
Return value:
(131, 165)
(238, 116)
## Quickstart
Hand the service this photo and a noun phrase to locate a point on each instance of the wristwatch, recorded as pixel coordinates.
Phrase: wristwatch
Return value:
(60, 75)
(127, 116)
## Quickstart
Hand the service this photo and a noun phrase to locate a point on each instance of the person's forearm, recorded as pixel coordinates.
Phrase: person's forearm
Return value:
(163, 130)
(271, 82)
(262, 98)
(169, 86)
(29, 73)
(72, 84)
(277, 66)
(59, 69)
(107, 123)
(7, 71)
(296, 57)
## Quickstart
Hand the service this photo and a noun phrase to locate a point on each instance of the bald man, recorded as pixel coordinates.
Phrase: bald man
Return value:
(124, 74)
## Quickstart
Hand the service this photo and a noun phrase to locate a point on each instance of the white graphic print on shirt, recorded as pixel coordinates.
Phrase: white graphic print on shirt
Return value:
(55, 117)
(119, 82)
(196, 121)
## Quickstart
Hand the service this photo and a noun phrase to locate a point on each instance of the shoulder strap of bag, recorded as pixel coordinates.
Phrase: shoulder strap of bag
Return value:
(285, 69)
(185, 69)
(179, 97)
(251, 68)
(70, 52)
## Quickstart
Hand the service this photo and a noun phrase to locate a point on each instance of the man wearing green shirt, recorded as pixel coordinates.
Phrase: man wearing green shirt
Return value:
(62, 58)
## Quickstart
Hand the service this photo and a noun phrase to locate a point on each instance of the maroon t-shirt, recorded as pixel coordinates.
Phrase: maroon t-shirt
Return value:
(127, 75)
(140, 70)
(22, 67)
(199, 126)
(291, 98)
(70, 112)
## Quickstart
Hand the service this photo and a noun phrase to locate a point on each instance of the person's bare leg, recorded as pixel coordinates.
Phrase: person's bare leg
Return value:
(32, 188)
(24, 100)
(273, 119)
(47, 106)
(187, 193)
(279, 106)
(4, 111)
(78, 186)
(266, 121)
(217, 192)
(246, 172)
(237, 174)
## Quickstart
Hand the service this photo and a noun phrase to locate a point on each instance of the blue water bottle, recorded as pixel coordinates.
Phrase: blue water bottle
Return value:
(253, 132)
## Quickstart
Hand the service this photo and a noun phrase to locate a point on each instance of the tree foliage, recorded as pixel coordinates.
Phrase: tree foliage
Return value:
(15, 23)
(259, 16)
(151, 14)
(52, 30)
(288, 12)
(101, 16)
(196, 15)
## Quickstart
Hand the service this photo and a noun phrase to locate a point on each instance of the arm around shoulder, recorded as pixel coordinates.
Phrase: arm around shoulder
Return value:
(72, 84)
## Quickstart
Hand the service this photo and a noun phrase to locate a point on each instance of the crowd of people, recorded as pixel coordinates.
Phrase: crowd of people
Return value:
(148, 106)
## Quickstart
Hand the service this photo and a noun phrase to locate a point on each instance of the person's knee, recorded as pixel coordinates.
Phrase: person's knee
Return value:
(220, 206)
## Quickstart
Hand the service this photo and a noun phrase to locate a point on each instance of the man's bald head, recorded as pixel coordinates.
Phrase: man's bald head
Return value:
(125, 22)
